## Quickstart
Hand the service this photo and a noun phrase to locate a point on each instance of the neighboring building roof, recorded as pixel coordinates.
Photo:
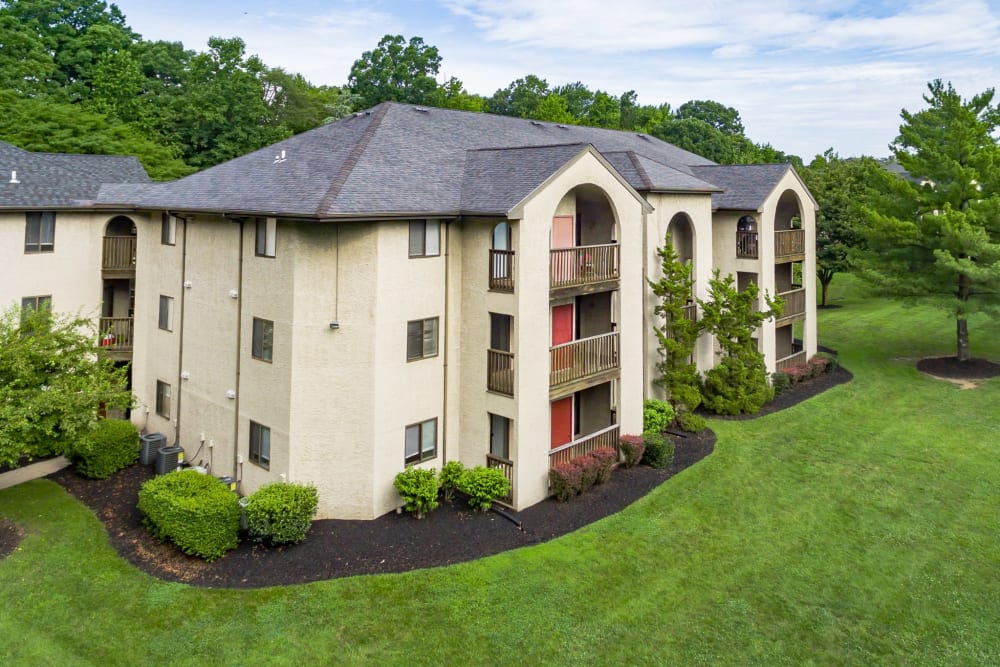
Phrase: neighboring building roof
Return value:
(744, 186)
(398, 159)
(55, 180)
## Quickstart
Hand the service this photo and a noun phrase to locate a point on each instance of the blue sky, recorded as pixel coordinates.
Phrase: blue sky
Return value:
(805, 75)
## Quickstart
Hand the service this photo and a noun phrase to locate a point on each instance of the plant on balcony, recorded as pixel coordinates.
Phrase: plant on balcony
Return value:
(418, 487)
(659, 450)
(675, 331)
(565, 479)
(483, 486)
(656, 415)
(450, 477)
(739, 383)
(633, 447)
(606, 457)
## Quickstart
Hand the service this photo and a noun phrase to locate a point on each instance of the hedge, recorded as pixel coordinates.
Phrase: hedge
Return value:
(281, 512)
(483, 486)
(113, 444)
(193, 510)
(418, 487)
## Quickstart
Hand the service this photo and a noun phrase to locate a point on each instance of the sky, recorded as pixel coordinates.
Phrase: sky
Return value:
(805, 75)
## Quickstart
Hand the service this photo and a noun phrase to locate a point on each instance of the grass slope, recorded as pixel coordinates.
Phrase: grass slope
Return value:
(857, 528)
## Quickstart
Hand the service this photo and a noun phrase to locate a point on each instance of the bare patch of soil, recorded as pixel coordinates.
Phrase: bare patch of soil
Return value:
(10, 537)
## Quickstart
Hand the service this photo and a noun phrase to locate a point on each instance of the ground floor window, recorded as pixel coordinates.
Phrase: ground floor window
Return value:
(163, 399)
(260, 444)
(500, 436)
(421, 441)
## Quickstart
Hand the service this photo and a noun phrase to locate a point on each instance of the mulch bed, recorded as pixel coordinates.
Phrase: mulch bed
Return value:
(797, 393)
(391, 543)
(10, 537)
(953, 369)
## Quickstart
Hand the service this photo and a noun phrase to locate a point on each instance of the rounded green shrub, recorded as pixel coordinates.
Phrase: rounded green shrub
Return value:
(113, 444)
(659, 450)
(781, 381)
(194, 511)
(281, 512)
(737, 385)
(418, 487)
(483, 486)
(450, 477)
(691, 422)
(656, 415)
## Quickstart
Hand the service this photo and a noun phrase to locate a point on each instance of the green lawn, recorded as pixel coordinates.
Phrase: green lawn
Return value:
(861, 527)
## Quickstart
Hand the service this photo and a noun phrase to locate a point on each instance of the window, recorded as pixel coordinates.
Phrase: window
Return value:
(421, 441)
(36, 302)
(425, 238)
(40, 231)
(500, 436)
(500, 326)
(260, 445)
(421, 339)
(168, 229)
(166, 313)
(163, 399)
(262, 346)
(264, 244)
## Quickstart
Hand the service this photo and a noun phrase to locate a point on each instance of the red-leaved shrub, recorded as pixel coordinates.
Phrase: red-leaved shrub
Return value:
(633, 447)
(589, 467)
(607, 457)
(565, 479)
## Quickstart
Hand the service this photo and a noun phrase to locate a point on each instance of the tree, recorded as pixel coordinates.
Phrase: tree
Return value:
(520, 98)
(455, 96)
(739, 383)
(722, 118)
(675, 331)
(947, 251)
(54, 379)
(398, 71)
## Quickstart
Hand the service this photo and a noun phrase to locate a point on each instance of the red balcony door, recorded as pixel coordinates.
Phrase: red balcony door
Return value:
(563, 318)
(563, 231)
(562, 421)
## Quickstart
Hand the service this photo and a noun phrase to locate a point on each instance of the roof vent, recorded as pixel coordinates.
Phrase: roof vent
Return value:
(642, 136)
(13, 177)
(563, 127)
(278, 159)
(421, 109)
(535, 122)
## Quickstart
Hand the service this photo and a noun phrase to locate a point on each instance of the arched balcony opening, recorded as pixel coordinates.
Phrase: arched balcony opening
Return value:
(681, 233)
(789, 237)
(118, 293)
(501, 258)
(584, 240)
(118, 252)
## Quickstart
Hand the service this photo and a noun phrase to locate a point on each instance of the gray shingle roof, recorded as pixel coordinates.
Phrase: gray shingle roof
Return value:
(56, 180)
(745, 186)
(398, 159)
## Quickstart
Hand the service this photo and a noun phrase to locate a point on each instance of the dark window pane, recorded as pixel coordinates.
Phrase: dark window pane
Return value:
(414, 339)
(417, 229)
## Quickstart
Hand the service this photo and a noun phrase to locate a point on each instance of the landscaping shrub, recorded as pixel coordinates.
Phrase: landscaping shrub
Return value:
(737, 385)
(606, 457)
(831, 361)
(633, 447)
(656, 415)
(589, 469)
(112, 445)
(418, 488)
(781, 381)
(193, 510)
(817, 366)
(659, 450)
(483, 486)
(565, 480)
(797, 374)
(281, 512)
(450, 477)
(691, 423)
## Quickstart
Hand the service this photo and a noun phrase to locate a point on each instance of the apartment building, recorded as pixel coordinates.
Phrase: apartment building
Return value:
(410, 286)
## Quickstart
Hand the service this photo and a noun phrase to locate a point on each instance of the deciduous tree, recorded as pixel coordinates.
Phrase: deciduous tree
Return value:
(396, 70)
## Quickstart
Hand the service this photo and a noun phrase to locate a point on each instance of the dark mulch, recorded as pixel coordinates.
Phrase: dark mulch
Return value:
(798, 393)
(10, 537)
(392, 543)
(953, 369)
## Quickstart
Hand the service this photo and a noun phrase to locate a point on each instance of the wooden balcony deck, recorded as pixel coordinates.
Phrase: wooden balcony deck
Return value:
(794, 359)
(583, 265)
(500, 371)
(116, 333)
(789, 245)
(118, 254)
(580, 359)
(502, 270)
(606, 437)
(795, 304)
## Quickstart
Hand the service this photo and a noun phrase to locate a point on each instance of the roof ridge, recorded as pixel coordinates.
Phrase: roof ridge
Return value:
(646, 180)
(352, 159)
(527, 146)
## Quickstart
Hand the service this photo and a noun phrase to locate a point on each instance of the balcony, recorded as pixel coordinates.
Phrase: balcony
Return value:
(502, 270)
(794, 359)
(116, 333)
(583, 360)
(500, 372)
(795, 304)
(789, 245)
(606, 437)
(118, 255)
(581, 266)
(506, 466)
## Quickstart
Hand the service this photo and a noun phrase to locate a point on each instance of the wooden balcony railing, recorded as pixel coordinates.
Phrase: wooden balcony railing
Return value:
(746, 244)
(582, 358)
(795, 302)
(794, 359)
(500, 371)
(789, 243)
(583, 265)
(116, 333)
(502, 270)
(507, 467)
(607, 437)
(118, 253)
(691, 312)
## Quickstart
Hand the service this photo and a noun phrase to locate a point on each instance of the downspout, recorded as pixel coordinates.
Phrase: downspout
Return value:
(645, 306)
(239, 339)
(447, 342)
(180, 330)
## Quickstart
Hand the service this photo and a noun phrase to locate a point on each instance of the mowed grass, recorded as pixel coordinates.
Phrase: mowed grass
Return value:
(861, 527)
